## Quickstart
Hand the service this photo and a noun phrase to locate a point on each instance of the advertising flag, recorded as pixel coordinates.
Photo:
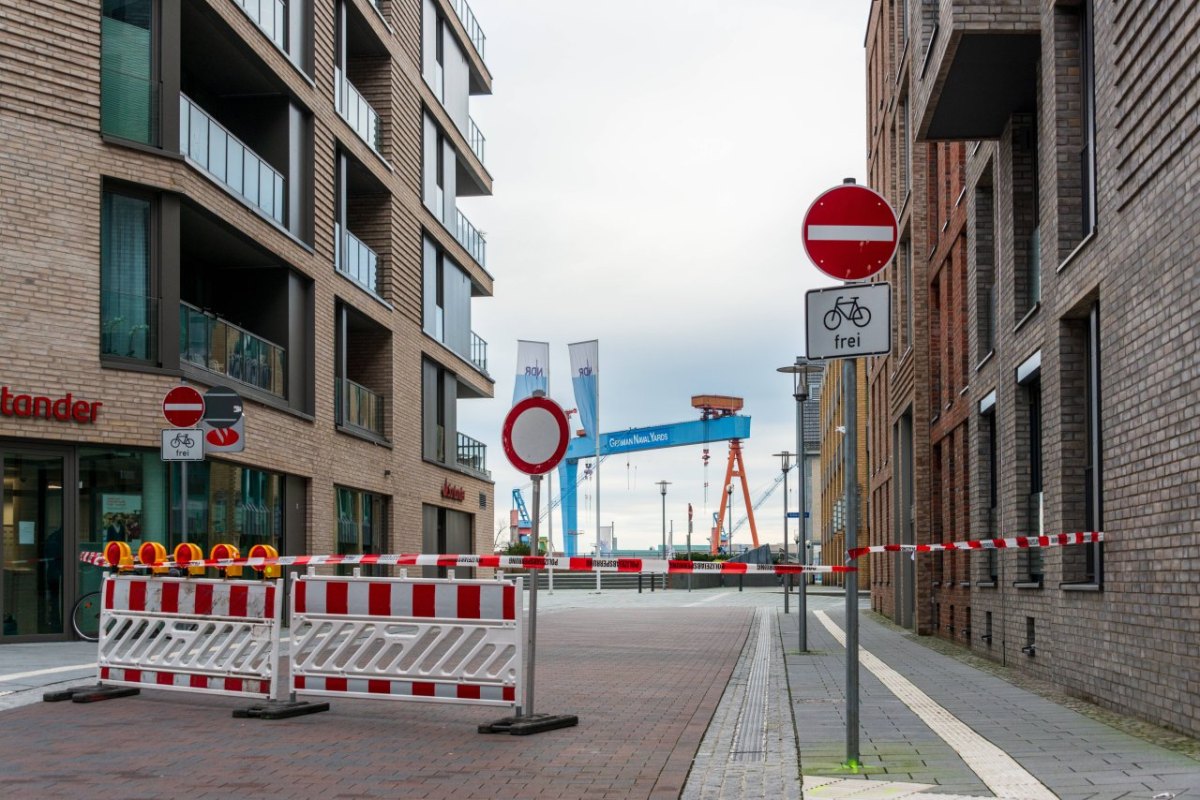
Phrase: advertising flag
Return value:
(585, 357)
(533, 369)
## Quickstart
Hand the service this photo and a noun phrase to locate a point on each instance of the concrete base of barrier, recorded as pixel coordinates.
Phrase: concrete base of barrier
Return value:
(534, 723)
(90, 694)
(280, 709)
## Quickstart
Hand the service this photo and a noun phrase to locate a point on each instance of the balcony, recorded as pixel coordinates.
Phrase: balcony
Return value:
(356, 110)
(219, 346)
(470, 238)
(358, 407)
(226, 159)
(472, 455)
(981, 68)
(474, 31)
(478, 352)
(355, 260)
(475, 139)
(271, 18)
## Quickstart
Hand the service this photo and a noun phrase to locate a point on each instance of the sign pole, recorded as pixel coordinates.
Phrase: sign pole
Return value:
(849, 410)
(183, 503)
(533, 593)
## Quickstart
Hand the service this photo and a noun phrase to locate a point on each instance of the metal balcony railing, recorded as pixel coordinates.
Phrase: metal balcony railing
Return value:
(478, 352)
(219, 346)
(271, 18)
(358, 407)
(470, 238)
(227, 160)
(474, 31)
(355, 260)
(354, 108)
(476, 139)
(472, 454)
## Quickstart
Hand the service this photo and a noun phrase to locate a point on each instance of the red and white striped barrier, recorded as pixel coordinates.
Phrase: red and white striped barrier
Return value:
(429, 640)
(192, 635)
(656, 566)
(1055, 540)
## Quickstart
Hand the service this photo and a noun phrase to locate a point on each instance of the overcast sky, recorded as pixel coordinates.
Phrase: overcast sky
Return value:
(652, 164)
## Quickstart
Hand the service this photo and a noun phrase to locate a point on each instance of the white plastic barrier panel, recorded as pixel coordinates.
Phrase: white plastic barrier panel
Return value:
(191, 635)
(430, 640)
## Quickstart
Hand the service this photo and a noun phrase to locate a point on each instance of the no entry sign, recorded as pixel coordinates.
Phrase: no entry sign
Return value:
(183, 406)
(535, 435)
(850, 232)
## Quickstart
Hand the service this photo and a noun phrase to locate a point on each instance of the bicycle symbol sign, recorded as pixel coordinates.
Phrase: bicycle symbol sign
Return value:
(182, 444)
(849, 321)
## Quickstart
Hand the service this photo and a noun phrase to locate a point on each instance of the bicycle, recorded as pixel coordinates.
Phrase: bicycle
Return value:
(848, 309)
(85, 617)
(183, 440)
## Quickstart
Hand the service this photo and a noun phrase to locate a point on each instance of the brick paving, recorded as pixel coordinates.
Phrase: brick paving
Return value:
(643, 684)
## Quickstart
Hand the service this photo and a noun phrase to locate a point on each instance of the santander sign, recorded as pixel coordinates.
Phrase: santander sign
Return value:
(63, 409)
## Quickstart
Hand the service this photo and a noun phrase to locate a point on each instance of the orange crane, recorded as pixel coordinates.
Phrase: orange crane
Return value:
(714, 406)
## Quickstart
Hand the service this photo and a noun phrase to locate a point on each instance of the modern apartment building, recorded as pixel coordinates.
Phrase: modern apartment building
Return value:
(260, 194)
(1071, 128)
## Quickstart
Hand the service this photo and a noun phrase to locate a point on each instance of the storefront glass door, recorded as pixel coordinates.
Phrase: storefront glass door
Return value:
(31, 546)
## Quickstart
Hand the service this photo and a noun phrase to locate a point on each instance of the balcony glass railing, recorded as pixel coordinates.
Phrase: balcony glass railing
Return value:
(354, 108)
(472, 454)
(227, 160)
(355, 260)
(470, 238)
(475, 139)
(358, 407)
(128, 323)
(474, 31)
(478, 352)
(270, 16)
(219, 346)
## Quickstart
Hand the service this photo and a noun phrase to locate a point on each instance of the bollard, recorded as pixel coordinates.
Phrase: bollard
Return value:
(652, 577)
(639, 583)
(740, 576)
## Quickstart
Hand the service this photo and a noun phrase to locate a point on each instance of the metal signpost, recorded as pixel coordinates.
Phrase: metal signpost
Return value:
(535, 439)
(850, 233)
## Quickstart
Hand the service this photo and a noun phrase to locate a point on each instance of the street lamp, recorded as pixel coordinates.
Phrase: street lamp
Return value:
(801, 373)
(729, 524)
(662, 488)
(786, 466)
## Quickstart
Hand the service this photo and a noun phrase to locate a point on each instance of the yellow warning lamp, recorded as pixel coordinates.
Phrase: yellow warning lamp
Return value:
(152, 553)
(265, 551)
(186, 553)
(118, 555)
(223, 551)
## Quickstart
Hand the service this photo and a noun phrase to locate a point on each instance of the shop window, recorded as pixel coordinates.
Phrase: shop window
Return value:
(230, 504)
(129, 91)
(359, 520)
(447, 531)
(128, 308)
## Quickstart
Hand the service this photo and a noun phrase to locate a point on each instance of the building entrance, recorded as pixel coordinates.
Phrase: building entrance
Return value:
(32, 546)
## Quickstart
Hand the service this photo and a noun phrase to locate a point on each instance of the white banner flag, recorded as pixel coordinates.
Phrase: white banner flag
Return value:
(533, 369)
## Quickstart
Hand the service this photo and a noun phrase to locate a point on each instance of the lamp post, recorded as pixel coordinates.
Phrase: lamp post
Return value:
(786, 466)
(662, 488)
(729, 528)
(801, 372)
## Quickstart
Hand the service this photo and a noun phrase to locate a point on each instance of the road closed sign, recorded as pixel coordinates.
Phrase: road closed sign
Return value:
(849, 321)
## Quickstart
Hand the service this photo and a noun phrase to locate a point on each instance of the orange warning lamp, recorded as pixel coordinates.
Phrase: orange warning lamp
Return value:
(186, 553)
(152, 553)
(265, 551)
(223, 551)
(118, 555)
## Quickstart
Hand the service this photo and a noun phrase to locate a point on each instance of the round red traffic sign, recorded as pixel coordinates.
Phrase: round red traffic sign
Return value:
(535, 435)
(183, 407)
(850, 232)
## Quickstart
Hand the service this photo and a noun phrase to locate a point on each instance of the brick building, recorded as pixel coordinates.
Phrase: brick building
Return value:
(1073, 123)
(261, 194)
(832, 479)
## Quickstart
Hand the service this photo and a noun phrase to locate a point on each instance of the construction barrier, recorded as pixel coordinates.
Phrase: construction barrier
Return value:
(190, 635)
(1015, 542)
(429, 640)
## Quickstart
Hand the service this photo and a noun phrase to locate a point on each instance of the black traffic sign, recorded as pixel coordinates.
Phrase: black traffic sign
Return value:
(222, 407)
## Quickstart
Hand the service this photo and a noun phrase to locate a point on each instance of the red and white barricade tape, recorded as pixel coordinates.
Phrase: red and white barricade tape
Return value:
(191, 635)
(1055, 540)
(430, 640)
(657, 566)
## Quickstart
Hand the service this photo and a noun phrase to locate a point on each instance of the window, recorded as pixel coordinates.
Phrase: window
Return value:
(1082, 446)
(906, 278)
(991, 486)
(985, 266)
(1075, 118)
(128, 310)
(1027, 239)
(1087, 153)
(447, 531)
(447, 292)
(1030, 431)
(440, 394)
(904, 142)
(230, 504)
(359, 520)
(129, 92)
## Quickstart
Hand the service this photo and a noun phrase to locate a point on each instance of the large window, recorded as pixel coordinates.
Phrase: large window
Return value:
(230, 504)
(129, 93)
(1030, 429)
(359, 520)
(128, 310)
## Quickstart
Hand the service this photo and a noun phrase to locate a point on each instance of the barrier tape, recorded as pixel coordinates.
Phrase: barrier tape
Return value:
(1056, 540)
(656, 566)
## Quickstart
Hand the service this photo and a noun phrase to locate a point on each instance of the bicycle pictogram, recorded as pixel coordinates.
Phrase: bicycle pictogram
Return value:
(183, 440)
(847, 308)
